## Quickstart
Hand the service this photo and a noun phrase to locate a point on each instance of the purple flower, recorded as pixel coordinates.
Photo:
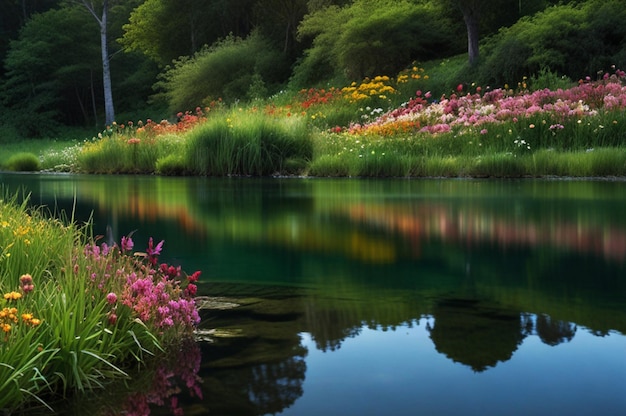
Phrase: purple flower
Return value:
(127, 243)
(154, 251)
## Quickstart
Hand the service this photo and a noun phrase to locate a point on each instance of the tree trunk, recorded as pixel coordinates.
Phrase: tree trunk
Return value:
(471, 16)
(472, 39)
(109, 111)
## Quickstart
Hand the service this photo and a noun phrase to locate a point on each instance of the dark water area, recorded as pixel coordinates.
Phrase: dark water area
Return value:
(377, 297)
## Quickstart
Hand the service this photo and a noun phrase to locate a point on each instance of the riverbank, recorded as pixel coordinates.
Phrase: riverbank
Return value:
(382, 127)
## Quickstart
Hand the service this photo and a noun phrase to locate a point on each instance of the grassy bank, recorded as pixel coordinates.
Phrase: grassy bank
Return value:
(380, 127)
(75, 314)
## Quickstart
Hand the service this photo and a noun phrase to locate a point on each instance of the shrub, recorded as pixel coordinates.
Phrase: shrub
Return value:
(575, 39)
(369, 38)
(23, 162)
(231, 69)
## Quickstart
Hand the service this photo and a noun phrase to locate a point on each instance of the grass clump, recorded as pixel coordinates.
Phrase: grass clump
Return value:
(247, 143)
(23, 162)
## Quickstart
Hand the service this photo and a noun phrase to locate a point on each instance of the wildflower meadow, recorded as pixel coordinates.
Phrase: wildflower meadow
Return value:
(379, 127)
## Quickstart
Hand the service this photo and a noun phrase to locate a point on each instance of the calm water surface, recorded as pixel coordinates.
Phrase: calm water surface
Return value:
(386, 297)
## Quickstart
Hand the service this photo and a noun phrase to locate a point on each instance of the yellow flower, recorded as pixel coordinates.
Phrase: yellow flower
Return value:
(12, 296)
(27, 316)
(6, 327)
(35, 322)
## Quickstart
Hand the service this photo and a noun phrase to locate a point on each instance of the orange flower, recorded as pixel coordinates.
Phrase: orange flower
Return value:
(12, 296)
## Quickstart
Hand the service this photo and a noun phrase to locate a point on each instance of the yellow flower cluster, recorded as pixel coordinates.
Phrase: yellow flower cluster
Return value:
(22, 231)
(411, 73)
(379, 87)
(9, 314)
(12, 296)
(9, 318)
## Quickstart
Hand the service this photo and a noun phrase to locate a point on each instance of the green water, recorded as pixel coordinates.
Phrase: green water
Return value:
(379, 297)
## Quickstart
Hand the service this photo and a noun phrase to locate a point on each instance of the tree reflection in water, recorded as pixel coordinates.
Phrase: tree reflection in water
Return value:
(262, 369)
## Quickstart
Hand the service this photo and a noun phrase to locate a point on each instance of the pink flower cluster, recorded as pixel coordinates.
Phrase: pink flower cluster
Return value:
(499, 105)
(161, 297)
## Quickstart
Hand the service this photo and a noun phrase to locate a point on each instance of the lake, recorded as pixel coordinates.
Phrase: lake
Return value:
(385, 297)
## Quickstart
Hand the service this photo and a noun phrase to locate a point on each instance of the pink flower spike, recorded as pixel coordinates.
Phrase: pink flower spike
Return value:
(154, 251)
(127, 243)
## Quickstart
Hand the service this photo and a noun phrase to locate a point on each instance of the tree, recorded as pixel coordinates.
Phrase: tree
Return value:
(279, 20)
(102, 17)
(165, 30)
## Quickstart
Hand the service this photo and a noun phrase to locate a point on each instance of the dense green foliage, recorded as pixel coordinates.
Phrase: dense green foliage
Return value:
(231, 69)
(575, 40)
(372, 38)
(253, 48)
(23, 162)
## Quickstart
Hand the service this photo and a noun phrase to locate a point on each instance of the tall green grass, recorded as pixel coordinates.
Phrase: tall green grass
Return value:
(248, 143)
(124, 154)
(72, 347)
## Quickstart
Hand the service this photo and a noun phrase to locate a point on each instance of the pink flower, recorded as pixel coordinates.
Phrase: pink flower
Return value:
(111, 298)
(459, 87)
(127, 243)
(192, 289)
(483, 131)
(26, 282)
(154, 251)
(194, 277)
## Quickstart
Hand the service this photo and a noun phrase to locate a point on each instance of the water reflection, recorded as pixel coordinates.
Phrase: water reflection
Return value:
(475, 334)
(485, 278)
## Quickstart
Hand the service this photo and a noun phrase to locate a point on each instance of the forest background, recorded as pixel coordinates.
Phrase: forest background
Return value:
(168, 56)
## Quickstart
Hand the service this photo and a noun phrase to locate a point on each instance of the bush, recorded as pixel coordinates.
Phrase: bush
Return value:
(231, 69)
(574, 39)
(23, 162)
(369, 38)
